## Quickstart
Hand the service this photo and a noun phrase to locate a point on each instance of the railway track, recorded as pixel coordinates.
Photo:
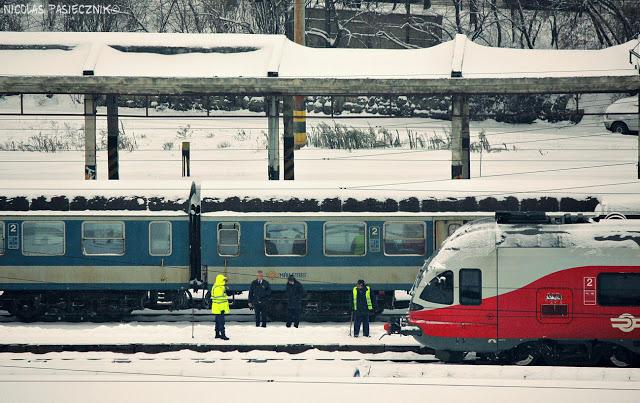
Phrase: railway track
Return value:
(179, 316)
(203, 348)
(420, 354)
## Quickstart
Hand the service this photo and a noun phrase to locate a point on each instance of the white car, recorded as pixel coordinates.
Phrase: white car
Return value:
(622, 116)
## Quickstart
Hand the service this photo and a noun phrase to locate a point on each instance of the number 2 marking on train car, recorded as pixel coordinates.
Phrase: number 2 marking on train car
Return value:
(374, 239)
(589, 287)
(13, 239)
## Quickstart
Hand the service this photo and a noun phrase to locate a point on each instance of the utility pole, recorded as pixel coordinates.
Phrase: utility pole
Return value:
(638, 133)
(112, 136)
(294, 111)
(90, 165)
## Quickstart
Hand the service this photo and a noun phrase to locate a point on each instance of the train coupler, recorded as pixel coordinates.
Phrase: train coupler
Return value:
(402, 327)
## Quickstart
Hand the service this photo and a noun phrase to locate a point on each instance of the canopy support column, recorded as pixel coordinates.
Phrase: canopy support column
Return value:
(112, 136)
(289, 140)
(299, 108)
(460, 138)
(274, 138)
(90, 164)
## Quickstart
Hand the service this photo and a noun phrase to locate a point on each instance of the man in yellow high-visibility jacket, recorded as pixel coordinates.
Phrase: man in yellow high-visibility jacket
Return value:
(362, 306)
(220, 304)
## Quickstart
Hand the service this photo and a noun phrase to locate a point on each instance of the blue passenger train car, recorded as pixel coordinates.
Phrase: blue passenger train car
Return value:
(114, 259)
(93, 264)
(327, 252)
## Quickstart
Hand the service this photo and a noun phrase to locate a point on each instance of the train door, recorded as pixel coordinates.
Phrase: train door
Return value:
(227, 247)
(522, 306)
(477, 305)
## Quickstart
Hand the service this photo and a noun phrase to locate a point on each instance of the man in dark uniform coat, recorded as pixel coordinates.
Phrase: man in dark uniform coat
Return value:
(259, 298)
(294, 293)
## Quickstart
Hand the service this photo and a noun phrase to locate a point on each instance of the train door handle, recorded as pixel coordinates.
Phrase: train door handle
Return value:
(491, 316)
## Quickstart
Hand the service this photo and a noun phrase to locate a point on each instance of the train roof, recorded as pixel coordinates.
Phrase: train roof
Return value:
(608, 233)
(325, 196)
(487, 233)
(628, 205)
(94, 213)
(267, 197)
(453, 215)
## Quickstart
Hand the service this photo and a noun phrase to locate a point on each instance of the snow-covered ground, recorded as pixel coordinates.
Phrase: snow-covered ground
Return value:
(541, 158)
(310, 376)
(313, 376)
(180, 333)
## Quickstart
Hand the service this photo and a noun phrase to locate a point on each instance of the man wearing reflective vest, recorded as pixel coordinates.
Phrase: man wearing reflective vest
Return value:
(220, 304)
(361, 307)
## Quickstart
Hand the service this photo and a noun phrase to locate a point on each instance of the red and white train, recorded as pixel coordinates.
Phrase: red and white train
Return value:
(523, 287)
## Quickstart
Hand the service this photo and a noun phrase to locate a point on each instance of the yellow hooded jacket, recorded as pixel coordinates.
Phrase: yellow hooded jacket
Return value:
(219, 297)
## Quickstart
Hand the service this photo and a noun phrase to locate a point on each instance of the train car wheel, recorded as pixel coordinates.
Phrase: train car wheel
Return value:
(523, 356)
(450, 357)
(28, 313)
(529, 359)
(28, 309)
(621, 358)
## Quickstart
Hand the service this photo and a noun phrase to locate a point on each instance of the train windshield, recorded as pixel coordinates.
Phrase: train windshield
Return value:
(423, 270)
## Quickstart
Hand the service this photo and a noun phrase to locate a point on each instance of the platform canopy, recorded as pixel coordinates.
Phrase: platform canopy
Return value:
(162, 63)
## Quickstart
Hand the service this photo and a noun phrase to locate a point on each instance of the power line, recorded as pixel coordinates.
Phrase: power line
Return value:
(493, 192)
(488, 176)
(327, 159)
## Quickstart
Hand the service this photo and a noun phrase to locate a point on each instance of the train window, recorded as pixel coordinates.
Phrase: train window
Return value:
(43, 238)
(451, 228)
(285, 239)
(404, 238)
(470, 287)
(103, 238)
(228, 239)
(345, 239)
(440, 289)
(1, 238)
(618, 289)
(160, 241)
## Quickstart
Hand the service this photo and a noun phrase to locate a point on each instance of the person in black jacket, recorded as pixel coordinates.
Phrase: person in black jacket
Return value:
(294, 293)
(259, 298)
(362, 307)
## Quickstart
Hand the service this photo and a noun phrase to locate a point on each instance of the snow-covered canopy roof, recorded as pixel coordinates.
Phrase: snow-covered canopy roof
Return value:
(240, 63)
(58, 195)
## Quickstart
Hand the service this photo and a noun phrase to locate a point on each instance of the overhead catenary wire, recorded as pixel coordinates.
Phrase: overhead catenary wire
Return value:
(488, 176)
(408, 161)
